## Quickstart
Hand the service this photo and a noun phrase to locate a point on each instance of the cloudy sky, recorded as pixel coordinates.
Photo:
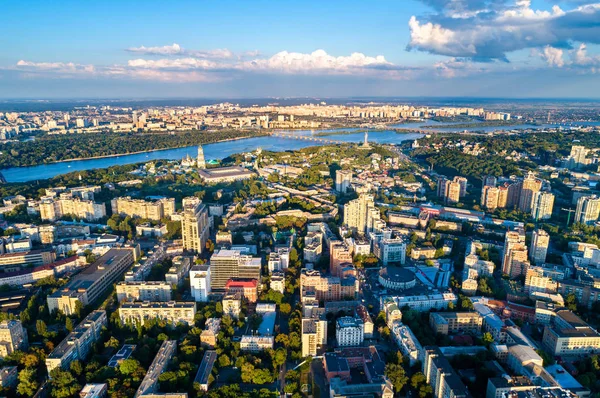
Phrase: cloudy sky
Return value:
(253, 48)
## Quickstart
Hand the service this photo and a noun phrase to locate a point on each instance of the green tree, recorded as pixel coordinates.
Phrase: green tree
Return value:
(63, 384)
(487, 338)
(40, 327)
(285, 308)
(397, 376)
(27, 382)
(69, 324)
(112, 343)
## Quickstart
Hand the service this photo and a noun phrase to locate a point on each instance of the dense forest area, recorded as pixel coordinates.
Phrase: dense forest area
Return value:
(54, 148)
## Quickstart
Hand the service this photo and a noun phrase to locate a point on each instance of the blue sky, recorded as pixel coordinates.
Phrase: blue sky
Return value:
(504, 48)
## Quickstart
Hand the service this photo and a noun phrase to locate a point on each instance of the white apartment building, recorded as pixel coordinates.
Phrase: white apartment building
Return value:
(172, 311)
(13, 337)
(200, 282)
(143, 291)
(349, 331)
(256, 343)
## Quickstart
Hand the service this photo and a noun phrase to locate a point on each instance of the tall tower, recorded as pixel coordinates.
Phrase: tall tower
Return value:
(201, 161)
(366, 142)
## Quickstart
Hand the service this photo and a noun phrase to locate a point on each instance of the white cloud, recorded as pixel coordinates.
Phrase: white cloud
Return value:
(491, 35)
(161, 50)
(553, 56)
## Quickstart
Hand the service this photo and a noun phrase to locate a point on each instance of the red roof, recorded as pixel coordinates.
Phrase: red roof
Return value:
(241, 283)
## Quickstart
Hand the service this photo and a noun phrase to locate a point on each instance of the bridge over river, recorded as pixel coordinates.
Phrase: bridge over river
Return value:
(307, 138)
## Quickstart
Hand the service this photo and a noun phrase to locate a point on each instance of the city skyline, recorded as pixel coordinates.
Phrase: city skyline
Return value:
(428, 48)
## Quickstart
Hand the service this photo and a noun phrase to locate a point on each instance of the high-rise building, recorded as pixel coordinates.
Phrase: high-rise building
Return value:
(51, 209)
(577, 157)
(343, 179)
(588, 209)
(529, 187)
(543, 202)
(201, 162)
(515, 251)
(194, 226)
(452, 191)
(539, 246)
(490, 181)
(13, 337)
(228, 264)
(537, 281)
(200, 282)
(356, 213)
(489, 197)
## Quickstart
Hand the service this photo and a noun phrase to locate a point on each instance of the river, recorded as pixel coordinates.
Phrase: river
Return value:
(221, 150)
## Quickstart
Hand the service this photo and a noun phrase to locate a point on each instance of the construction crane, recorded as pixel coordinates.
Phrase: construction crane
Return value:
(569, 216)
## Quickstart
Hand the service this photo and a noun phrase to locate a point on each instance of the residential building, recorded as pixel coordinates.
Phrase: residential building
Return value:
(173, 312)
(406, 341)
(542, 205)
(521, 357)
(194, 225)
(515, 252)
(149, 210)
(161, 361)
(343, 180)
(143, 291)
(537, 281)
(200, 282)
(339, 255)
(232, 305)
(180, 269)
(256, 343)
(588, 209)
(78, 343)
(9, 377)
(368, 325)
(349, 331)
(13, 337)
(440, 375)
(455, 322)
(356, 213)
(529, 187)
(53, 209)
(277, 282)
(205, 369)
(210, 332)
(16, 261)
(96, 390)
(228, 264)
(489, 197)
(540, 241)
(314, 333)
(91, 283)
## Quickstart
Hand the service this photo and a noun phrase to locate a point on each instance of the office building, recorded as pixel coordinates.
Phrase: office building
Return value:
(540, 241)
(256, 343)
(91, 283)
(349, 331)
(194, 225)
(149, 210)
(570, 335)
(143, 291)
(343, 180)
(455, 322)
(200, 282)
(390, 251)
(223, 239)
(543, 203)
(277, 282)
(13, 337)
(440, 375)
(160, 363)
(232, 264)
(78, 343)
(208, 337)
(172, 312)
(356, 212)
(10, 262)
(588, 209)
(397, 278)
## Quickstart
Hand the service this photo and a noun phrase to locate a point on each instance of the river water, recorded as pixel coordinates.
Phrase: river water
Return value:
(221, 150)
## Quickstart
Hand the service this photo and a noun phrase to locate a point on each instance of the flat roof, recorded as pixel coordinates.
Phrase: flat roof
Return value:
(206, 366)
